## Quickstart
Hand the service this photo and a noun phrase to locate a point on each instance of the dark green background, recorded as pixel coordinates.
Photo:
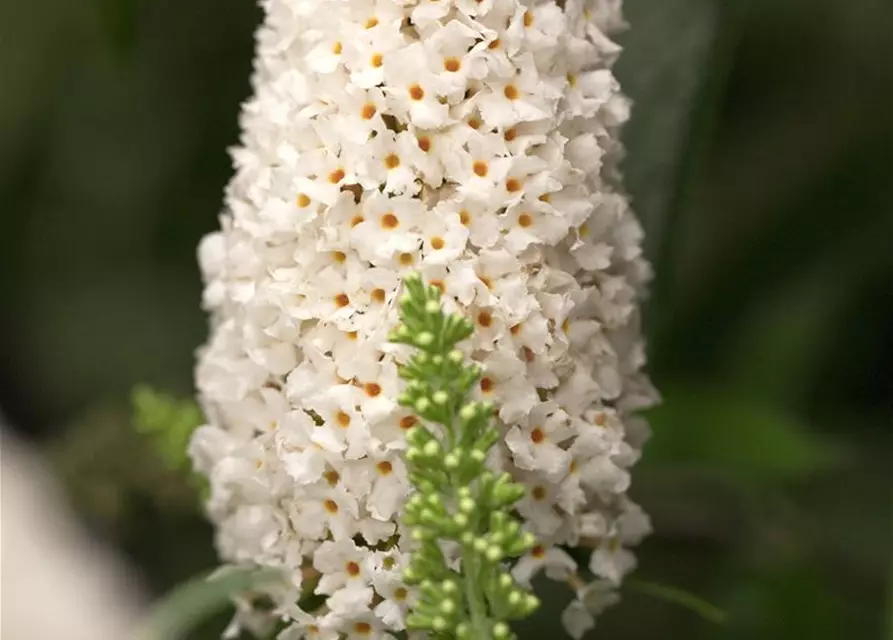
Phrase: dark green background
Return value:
(761, 162)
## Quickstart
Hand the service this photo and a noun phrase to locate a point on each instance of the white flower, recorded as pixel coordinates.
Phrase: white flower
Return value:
(343, 565)
(577, 620)
(557, 564)
(535, 443)
(475, 142)
(612, 562)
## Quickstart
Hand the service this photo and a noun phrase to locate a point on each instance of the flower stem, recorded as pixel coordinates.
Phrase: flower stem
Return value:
(477, 606)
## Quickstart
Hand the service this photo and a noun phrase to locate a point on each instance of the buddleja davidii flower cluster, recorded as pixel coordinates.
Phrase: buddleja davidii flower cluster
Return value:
(458, 499)
(474, 142)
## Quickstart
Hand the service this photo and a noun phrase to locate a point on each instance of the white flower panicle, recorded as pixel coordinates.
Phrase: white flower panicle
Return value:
(473, 141)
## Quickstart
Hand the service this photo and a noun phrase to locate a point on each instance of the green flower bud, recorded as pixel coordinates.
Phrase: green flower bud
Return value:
(468, 412)
(425, 338)
(451, 461)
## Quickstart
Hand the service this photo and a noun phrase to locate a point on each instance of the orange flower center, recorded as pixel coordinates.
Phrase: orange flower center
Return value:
(384, 467)
(372, 389)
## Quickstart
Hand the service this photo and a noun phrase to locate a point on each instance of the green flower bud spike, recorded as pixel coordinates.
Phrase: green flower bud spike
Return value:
(456, 499)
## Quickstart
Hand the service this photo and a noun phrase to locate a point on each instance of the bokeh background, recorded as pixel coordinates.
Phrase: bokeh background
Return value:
(760, 160)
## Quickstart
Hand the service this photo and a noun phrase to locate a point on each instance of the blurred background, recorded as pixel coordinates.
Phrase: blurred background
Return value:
(760, 159)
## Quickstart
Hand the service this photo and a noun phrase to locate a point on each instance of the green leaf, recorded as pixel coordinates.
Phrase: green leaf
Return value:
(663, 67)
(679, 597)
(739, 438)
(199, 598)
(167, 422)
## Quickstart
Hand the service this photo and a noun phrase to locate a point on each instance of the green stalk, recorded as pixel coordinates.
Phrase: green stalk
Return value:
(456, 497)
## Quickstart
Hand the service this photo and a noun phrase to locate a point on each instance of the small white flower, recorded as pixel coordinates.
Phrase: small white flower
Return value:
(577, 620)
(535, 444)
(558, 565)
(343, 566)
(523, 98)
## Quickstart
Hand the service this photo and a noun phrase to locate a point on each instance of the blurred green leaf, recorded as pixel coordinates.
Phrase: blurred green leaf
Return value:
(663, 82)
(679, 596)
(743, 439)
(196, 600)
(167, 422)
(118, 19)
